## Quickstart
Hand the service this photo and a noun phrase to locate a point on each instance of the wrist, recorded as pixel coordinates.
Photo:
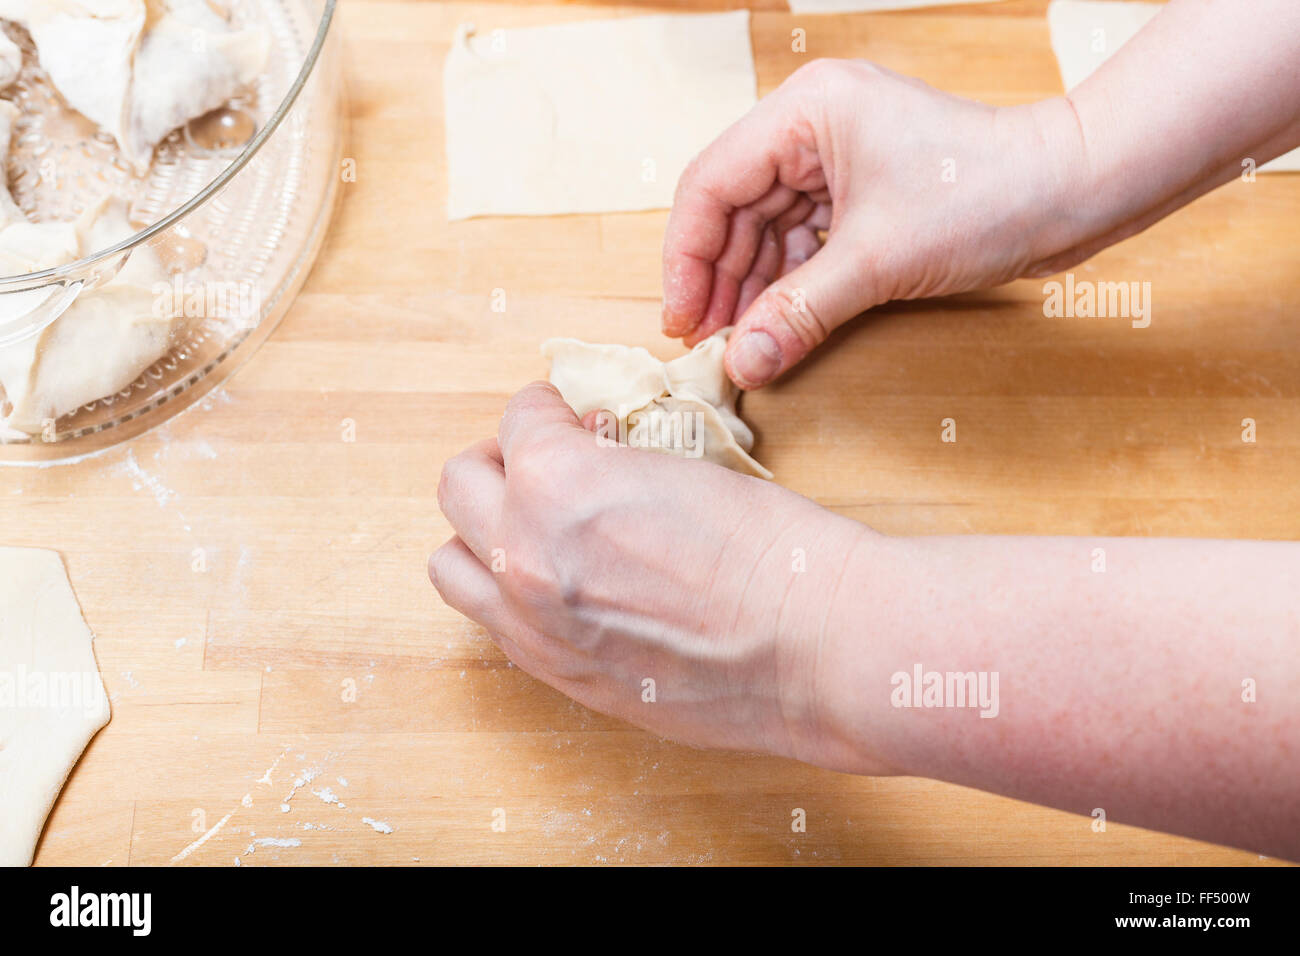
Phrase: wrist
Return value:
(835, 697)
(1060, 209)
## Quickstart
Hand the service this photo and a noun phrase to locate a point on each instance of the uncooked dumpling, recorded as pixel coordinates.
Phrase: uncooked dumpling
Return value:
(52, 701)
(686, 407)
(99, 345)
(700, 372)
(190, 61)
(592, 377)
(86, 47)
(103, 341)
(141, 68)
(25, 247)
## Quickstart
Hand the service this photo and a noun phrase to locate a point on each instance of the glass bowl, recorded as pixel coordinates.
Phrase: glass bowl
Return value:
(234, 207)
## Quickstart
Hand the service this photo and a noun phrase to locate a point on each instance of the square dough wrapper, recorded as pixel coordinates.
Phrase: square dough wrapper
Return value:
(45, 647)
(588, 117)
(1086, 33)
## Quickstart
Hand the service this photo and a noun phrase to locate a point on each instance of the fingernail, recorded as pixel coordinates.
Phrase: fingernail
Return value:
(757, 358)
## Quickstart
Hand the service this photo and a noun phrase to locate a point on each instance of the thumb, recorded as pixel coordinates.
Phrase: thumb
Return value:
(795, 314)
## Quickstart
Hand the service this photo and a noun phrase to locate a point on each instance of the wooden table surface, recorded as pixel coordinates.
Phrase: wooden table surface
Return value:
(287, 686)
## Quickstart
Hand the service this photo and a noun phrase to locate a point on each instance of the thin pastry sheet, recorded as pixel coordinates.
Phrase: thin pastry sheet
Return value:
(589, 117)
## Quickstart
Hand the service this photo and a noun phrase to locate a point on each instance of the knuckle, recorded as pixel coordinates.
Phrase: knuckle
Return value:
(533, 467)
(449, 480)
(792, 308)
(544, 576)
(529, 399)
(822, 71)
(543, 467)
(532, 579)
(691, 175)
(436, 567)
(815, 71)
(827, 74)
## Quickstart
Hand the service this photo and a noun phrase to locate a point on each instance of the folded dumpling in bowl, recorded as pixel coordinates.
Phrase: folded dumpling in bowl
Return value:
(141, 68)
(26, 246)
(100, 344)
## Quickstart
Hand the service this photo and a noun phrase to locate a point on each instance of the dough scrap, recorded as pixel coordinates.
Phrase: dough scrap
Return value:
(141, 68)
(685, 407)
(1086, 33)
(598, 116)
(52, 700)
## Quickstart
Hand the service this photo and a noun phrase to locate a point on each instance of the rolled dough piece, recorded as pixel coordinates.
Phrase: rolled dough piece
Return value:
(685, 407)
(1086, 33)
(52, 701)
(598, 116)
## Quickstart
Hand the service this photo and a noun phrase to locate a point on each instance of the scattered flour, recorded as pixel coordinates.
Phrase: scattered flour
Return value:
(280, 842)
(203, 839)
(327, 796)
(142, 480)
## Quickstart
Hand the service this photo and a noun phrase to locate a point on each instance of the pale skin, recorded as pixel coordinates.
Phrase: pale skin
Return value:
(1120, 690)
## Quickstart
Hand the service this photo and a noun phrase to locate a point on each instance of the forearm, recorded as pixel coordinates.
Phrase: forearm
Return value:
(1156, 679)
(1206, 85)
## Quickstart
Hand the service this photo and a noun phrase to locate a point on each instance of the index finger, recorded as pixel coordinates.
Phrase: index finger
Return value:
(764, 147)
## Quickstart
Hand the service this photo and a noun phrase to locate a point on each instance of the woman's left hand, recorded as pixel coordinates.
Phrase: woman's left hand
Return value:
(682, 597)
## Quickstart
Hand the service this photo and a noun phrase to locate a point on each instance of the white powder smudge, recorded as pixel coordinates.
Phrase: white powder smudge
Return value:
(279, 842)
(181, 642)
(327, 796)
(266, 777)
(305, 777)
(142, 480)
(202, 449)
(218, 397)
(379, 826)
(203, 839)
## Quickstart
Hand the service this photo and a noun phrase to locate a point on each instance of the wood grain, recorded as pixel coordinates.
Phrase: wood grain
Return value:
(257, 585)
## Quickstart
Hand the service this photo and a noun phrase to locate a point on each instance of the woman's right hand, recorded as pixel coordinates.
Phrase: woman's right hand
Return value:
(921, 193)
